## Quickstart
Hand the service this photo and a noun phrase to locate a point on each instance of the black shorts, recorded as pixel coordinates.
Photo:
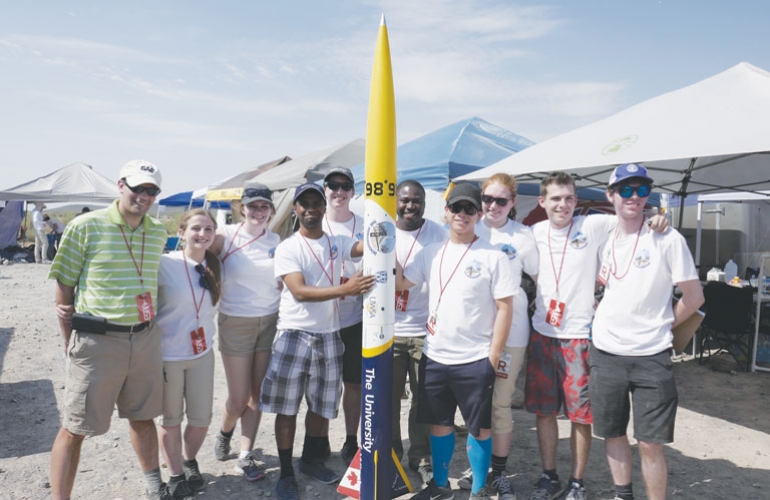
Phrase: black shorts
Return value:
(649, 379)
(352, 337)
(442, 388)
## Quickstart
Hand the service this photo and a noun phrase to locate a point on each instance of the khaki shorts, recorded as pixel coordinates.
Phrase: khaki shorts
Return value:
(112, 368)
(244, 336)
(502, 394)
(188, 389)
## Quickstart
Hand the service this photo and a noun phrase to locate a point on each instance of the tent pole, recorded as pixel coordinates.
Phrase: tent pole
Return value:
(683, 192)
(699, 235)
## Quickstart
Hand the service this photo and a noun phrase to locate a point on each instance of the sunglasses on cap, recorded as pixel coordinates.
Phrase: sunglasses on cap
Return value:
(501, 202)
(204, 279)
(628, 191)
(150, 190)
(458, 207)
(334, 185)
(257, 193)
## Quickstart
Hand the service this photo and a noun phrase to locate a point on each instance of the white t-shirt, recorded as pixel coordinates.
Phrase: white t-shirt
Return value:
(635, 316)
(516, 242)
(411, 322)
(577, 274)
(351, 308)
(176, 314)
(247, 290)
(465, 315)
(320, 262)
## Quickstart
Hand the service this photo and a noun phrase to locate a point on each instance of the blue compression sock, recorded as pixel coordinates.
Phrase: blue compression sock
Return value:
(441, 450)
(479, 456)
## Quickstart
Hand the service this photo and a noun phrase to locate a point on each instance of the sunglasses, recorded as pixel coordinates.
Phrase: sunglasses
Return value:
(204, 279)
(458, 207)
(150, 190)
(501, 202)
(257, 193)
(628, 191)
(334, 185)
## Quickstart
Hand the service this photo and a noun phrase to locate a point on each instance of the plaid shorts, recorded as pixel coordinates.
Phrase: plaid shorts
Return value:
(304, 364)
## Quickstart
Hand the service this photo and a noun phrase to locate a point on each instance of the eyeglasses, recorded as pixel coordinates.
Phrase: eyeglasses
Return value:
(257, 193)
(501, 202)
(334, 185)
(628, 191)
(150, 190)
(458, 207)
(204, 279)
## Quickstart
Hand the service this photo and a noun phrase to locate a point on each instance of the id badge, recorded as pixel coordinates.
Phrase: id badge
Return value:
(402, 298)
(343, 280)
(555, 313)
(198, 338)
(144, 306)
(504, 365)
(431, 324)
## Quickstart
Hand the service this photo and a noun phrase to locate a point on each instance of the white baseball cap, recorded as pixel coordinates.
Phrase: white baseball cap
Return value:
(137, 172)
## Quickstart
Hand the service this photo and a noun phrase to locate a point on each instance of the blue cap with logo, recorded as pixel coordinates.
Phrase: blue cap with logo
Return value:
(629, 171)
(308, 186)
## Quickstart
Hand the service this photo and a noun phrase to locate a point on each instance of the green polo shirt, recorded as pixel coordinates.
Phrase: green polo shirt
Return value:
(94, 258)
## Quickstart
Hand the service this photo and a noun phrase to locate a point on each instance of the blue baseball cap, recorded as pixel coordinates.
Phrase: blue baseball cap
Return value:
(629, 171)
(308, 186)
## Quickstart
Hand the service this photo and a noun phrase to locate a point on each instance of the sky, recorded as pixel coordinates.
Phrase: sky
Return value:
(207, 89)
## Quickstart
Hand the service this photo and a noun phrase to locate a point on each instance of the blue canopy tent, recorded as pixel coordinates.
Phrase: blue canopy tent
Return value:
(186, 199)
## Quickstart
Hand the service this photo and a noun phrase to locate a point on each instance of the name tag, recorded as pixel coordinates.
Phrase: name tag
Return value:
(144, 307)
(555, 313)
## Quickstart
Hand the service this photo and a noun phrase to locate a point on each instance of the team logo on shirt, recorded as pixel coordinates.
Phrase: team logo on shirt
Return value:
(333, 252)
(473, 270)
(642, 258)
(271, 253)
(578, 241)
(509, 251)
(381, 237)
(381, 276)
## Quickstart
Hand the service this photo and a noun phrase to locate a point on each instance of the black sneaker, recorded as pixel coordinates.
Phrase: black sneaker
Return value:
(433, 492)
(179, 490)
(222, 447)
(287, 489)
(348, 452)
(161, 494)
(546, 488)
(499, 483)
(193, 475)
(318, 471)
(250, 466)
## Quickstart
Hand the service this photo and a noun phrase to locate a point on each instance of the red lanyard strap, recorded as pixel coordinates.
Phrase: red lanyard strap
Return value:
(633, 252)
(557, 276)
(198, 305)
(406, 261)
(139, 267)
(232, 241)
(323, 268)
(441, 284)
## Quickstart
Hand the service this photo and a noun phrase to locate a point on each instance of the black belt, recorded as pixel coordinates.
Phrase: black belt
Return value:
(127, 329)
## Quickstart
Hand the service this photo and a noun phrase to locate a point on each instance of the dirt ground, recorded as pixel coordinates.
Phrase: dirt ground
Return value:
(722, 447)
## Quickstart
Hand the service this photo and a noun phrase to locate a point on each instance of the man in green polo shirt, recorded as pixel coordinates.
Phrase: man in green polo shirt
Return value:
(106, 273)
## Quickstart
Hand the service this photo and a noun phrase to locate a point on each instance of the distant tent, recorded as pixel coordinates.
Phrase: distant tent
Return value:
(74, 183)
(230, 188)
(10, 220)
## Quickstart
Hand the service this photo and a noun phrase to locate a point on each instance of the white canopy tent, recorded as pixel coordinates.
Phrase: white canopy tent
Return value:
(709, 137)
(77, 182)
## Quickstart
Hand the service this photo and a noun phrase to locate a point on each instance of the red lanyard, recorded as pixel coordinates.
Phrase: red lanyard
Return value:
(232, 241)
(413, 243)
(441, 284)
(323, 268)
(140, 266)
(197, 304)
(633, 252)
(557, 276)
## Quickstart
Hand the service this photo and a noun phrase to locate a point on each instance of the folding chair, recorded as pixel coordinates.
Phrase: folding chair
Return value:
(729, 322)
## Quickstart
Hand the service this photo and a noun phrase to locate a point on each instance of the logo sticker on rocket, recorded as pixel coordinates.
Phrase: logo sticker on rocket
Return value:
(381, 237)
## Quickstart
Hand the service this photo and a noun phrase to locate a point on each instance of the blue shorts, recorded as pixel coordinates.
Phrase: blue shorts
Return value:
(304, 364)
(444, 388)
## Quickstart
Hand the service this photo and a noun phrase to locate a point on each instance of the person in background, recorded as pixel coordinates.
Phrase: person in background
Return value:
(41, 239)
(307, 355)
(413, 233)
(470, 306)
(632, 339)
(189, 287)
(106, 272)
(56, 228)
(339, 187)
(248, 315)
(516, 242)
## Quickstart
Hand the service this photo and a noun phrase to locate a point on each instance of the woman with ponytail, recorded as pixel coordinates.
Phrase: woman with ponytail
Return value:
(189, 287)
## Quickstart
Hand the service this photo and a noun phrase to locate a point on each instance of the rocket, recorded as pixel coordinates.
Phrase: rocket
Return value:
(378, 470)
